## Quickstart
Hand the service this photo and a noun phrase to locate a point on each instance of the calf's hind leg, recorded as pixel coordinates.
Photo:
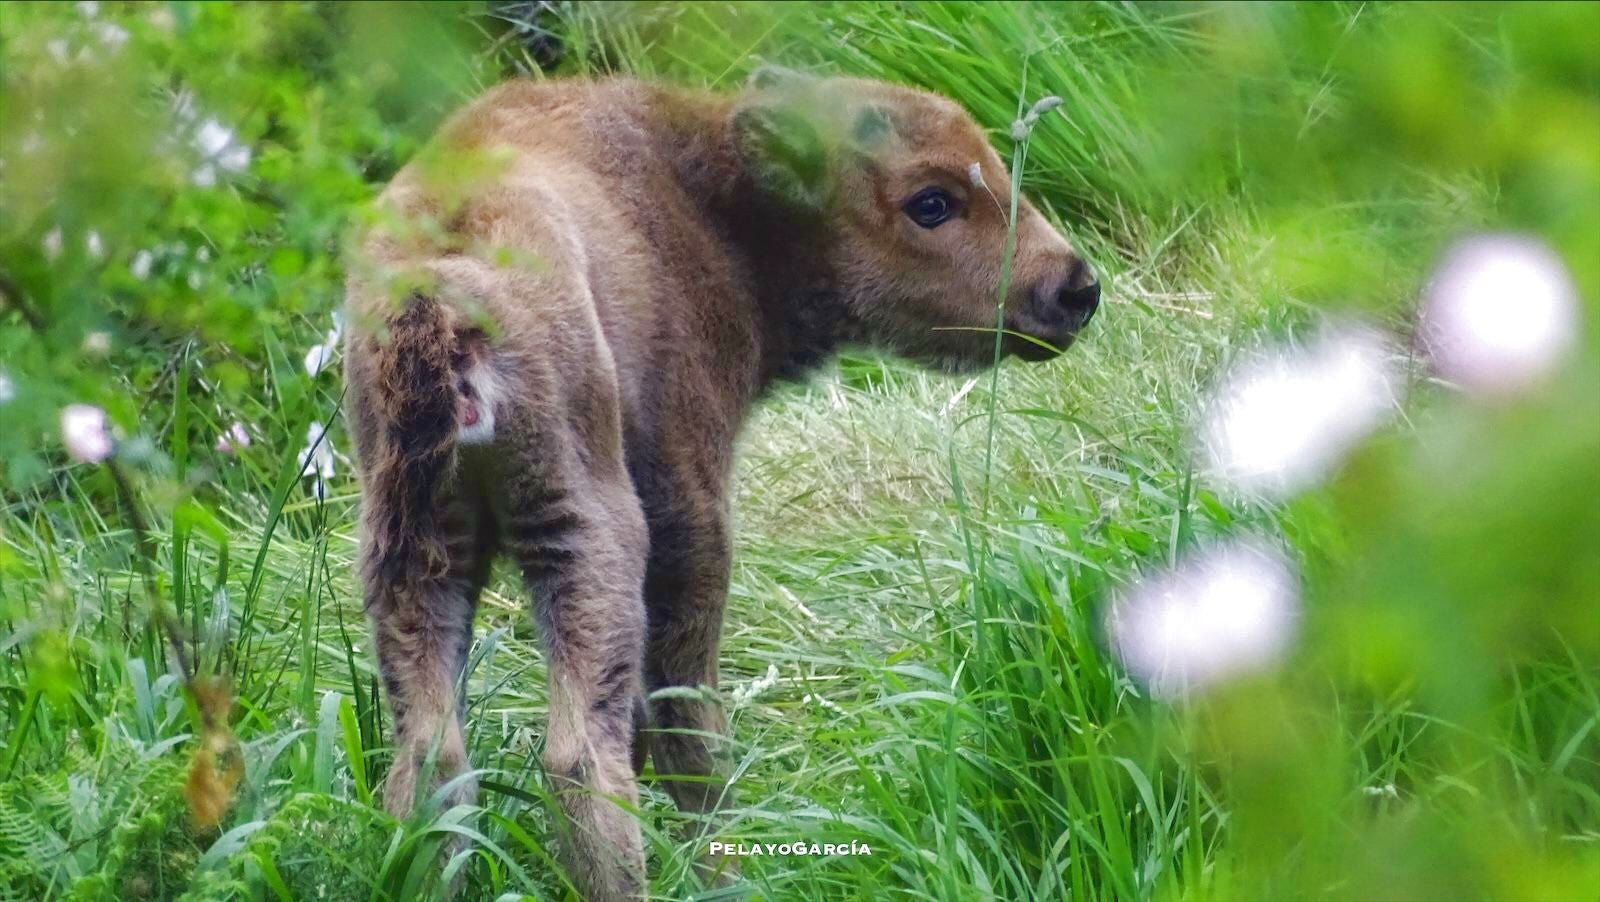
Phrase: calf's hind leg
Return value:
(423, 633)
(578, 533)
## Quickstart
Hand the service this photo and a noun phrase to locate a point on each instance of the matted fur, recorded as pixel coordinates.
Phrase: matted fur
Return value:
(605, 276)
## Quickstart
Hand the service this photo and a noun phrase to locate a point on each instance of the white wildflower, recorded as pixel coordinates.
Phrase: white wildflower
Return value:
(51, 243)
(317, 456)
(1278, 423)
(8, 389)
(88, 8)
(112, 36)
(141, 263)
(59, 51)
(235, 439)
(93, 245)
(318, 358)
(317, 460)
(212, 137)
(1500, 314)
(86, 433)
(97, 343)
(219, 149)
(320, 355)
(1226, 611)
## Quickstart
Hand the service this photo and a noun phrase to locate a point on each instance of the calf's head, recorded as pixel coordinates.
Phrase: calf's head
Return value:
(914, 206)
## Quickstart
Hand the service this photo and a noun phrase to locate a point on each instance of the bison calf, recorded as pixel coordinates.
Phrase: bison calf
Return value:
(562, 314)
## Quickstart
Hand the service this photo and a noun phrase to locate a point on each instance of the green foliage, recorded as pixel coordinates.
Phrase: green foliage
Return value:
(923, 566)
(179, 179)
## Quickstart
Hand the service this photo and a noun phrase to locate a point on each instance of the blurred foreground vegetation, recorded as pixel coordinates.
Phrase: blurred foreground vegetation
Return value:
(915, 656)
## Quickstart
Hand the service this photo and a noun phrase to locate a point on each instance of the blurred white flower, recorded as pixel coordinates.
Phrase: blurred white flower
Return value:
(1278, 423)
(111, 35)
(97, 343)
(86, 433)
(1500, 313)
(51, 243)
(1227, 610)
(59, 51)
(318, 451)
(212, 137)
(8, 389)
(93, 245)
(320, 355)
(88, 8)
(216, 143)
(317, 358)
(236, 438)
(141, 263)
(316, 460)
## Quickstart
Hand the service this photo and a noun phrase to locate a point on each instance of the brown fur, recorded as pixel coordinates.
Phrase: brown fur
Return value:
(634, 265)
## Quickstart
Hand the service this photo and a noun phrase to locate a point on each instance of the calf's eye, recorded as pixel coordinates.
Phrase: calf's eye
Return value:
(930, 207)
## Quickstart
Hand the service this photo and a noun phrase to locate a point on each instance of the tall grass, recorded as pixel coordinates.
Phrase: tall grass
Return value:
(913, 658)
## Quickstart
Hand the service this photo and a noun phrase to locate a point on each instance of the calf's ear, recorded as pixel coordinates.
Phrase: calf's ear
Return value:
(871, 128)
(767, 77)
(785, 152)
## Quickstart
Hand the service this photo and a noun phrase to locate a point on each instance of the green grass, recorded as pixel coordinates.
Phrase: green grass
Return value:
(913, 657)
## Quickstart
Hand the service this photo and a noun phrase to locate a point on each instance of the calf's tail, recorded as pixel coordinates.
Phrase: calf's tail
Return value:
(415, 402)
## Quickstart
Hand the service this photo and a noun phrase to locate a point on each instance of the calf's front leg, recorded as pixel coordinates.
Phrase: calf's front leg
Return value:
(686, 589)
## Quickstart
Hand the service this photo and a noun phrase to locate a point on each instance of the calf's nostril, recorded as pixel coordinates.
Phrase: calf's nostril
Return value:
(1080, 303)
